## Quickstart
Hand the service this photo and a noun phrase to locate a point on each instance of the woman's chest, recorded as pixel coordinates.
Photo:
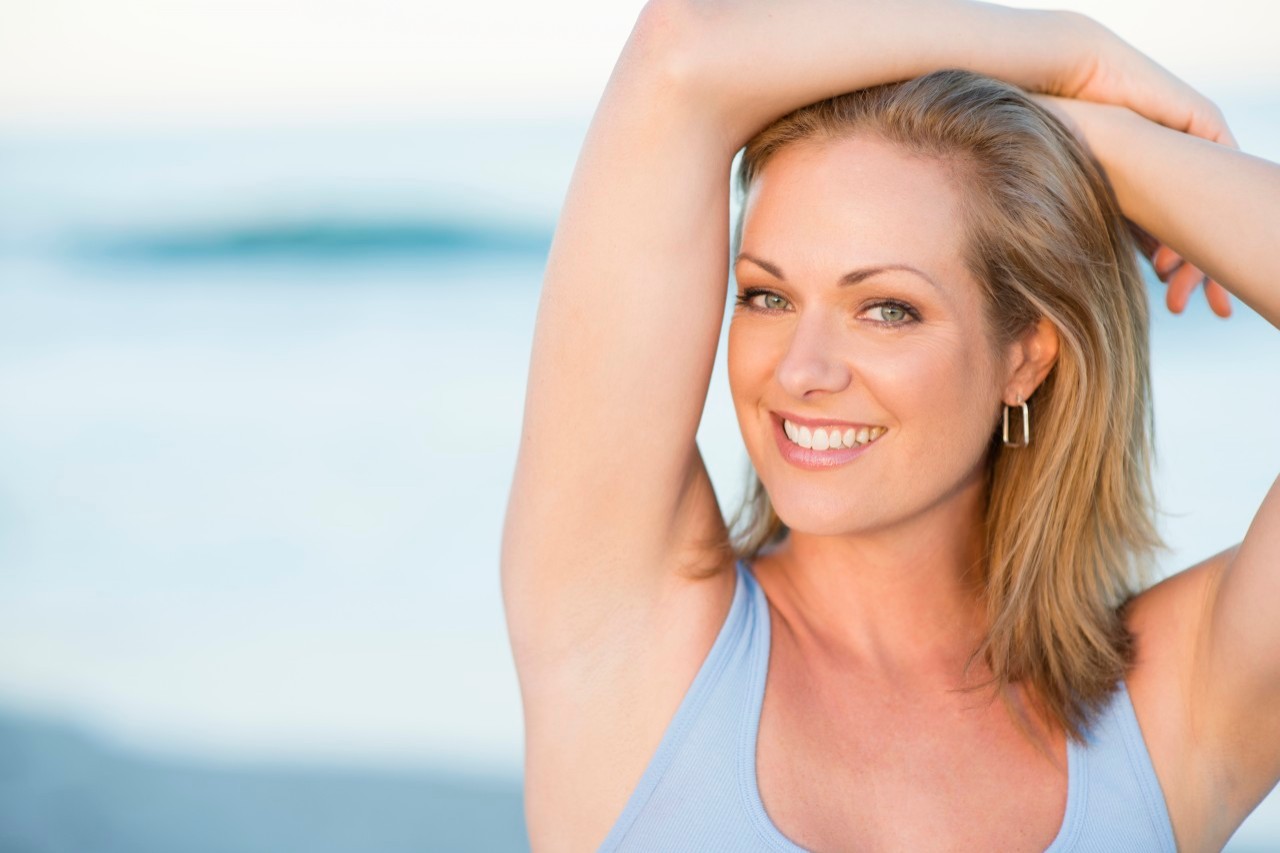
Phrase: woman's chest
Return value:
(865, 770)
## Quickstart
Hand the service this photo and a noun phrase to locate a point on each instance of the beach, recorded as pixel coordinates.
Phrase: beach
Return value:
(262, 399)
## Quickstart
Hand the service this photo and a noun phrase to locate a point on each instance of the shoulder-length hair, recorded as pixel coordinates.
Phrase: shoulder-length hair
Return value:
(1069, 523)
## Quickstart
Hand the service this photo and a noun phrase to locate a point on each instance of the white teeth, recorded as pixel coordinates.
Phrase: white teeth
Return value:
(824, 438)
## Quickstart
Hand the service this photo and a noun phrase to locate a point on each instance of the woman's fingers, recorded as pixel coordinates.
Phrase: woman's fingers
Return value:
(1164, 261)
(1183, 278)
(1182, 282)
(1207, 121)
(1219, 299)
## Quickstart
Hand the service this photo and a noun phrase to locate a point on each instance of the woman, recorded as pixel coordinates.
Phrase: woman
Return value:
(937, 275)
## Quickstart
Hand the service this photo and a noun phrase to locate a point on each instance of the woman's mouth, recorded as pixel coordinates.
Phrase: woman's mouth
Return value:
(819, 446)
(832, 437)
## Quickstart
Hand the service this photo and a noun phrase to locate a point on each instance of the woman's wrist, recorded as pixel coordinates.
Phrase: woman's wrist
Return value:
(1077, 49)
(1051, 51)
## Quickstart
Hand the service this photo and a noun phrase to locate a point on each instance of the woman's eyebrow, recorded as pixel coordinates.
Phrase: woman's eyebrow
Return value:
(849, 278)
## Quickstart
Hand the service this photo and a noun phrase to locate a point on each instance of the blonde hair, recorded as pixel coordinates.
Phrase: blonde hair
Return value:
(1069, 525)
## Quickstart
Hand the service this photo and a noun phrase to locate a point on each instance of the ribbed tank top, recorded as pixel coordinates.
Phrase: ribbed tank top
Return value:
(699, 792)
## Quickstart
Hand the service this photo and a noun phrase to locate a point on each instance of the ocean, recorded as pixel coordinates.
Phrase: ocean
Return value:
(262, 391)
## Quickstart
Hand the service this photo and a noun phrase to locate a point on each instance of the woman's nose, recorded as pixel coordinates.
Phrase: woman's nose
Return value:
(814, 360)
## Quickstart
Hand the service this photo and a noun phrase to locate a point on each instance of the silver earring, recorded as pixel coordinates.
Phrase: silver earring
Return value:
(1026, 425)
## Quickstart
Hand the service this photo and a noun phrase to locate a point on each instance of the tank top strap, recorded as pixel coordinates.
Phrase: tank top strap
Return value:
(1120, 803)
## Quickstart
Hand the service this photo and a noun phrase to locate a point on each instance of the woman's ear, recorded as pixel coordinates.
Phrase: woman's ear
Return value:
(1030, 358)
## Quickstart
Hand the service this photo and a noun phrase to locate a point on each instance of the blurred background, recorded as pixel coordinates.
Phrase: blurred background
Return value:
(268, 277)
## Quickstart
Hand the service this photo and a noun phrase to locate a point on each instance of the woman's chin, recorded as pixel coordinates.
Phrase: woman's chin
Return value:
(820, 519)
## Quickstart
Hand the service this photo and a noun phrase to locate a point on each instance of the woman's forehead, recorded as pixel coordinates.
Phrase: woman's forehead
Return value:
(859, 201)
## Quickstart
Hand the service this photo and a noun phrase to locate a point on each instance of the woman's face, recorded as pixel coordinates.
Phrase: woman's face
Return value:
(836, 330)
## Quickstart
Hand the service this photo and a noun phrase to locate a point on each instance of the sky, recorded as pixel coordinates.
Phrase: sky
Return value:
(182, 62)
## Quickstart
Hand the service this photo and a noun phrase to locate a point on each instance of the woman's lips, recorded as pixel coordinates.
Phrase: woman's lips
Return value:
(814, 460)
(810, 422)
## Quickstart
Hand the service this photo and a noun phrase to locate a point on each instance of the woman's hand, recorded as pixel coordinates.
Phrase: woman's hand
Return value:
(1117, 73)
(1196, 115)
(1183, 277)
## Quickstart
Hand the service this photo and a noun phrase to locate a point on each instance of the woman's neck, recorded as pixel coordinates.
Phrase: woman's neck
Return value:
(904, 602)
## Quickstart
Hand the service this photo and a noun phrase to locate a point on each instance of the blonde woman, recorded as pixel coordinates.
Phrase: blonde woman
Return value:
(938, 359)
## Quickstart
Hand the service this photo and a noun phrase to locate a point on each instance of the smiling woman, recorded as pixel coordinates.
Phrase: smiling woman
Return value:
(1043, 307)
(938, 359)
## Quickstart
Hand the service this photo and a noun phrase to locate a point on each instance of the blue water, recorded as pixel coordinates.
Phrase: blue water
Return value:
(262, 393)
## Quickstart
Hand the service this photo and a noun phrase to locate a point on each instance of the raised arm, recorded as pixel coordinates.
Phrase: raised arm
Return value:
(759, 59)
(1219, 208)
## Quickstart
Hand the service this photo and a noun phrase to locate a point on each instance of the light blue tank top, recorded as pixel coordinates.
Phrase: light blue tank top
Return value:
(699, 790)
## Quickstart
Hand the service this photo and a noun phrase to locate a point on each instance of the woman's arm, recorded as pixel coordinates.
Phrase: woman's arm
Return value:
(758, 59)
(755, 60)
(1219, 208)
(1216, 206)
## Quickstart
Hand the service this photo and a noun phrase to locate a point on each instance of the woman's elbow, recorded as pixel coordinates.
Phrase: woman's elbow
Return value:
(666, 42)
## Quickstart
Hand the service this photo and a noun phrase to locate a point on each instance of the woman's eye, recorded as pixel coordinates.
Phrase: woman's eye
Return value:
(891, 313)
(762, 299)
